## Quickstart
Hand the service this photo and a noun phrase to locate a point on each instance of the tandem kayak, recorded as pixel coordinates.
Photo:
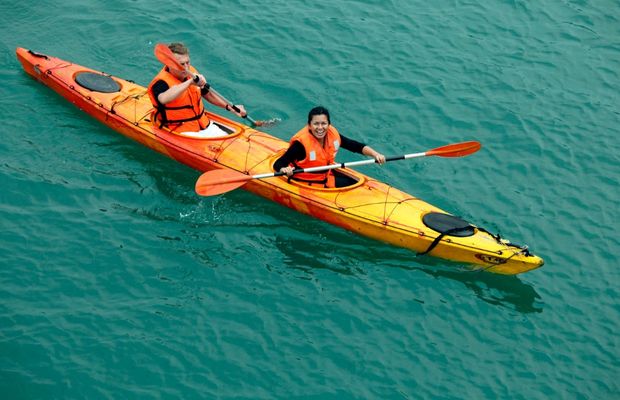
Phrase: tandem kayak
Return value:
(368, 207)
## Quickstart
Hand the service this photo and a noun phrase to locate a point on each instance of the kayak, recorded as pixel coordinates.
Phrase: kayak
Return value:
(367, 207)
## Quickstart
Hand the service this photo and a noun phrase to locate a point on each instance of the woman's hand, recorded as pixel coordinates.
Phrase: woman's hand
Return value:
(369, 151)
(379, 158)
(288, 171)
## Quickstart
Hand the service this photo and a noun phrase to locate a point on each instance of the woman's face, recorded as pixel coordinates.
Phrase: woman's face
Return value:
(318, 126)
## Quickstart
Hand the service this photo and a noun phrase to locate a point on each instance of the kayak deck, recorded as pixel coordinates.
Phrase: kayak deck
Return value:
(368, 207)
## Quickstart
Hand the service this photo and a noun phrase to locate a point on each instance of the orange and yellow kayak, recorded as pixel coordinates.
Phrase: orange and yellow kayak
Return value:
(368, 207)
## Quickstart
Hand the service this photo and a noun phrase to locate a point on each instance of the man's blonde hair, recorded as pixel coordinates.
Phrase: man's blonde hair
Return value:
(178, 48)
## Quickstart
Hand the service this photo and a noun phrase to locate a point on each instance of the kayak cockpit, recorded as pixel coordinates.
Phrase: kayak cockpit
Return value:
(226, 128)
(346, 180)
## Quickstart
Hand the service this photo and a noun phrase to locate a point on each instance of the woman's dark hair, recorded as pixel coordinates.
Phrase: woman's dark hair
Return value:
(318, 110)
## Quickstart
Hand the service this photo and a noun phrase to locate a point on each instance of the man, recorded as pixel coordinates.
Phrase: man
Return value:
(177, 96)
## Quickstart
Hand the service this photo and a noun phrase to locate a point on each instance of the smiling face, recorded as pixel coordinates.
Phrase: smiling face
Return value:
(318, 126)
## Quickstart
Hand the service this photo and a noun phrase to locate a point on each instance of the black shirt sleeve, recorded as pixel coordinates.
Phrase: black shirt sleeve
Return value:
(296, 152)
(351, 145)
(158, 88)
(205, 89)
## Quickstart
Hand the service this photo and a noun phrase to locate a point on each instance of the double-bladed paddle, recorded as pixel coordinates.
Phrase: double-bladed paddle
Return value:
(166, 57)
(224, 180)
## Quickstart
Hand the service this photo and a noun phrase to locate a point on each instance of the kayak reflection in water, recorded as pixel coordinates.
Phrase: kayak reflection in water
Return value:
(177, 95)
(317, 144)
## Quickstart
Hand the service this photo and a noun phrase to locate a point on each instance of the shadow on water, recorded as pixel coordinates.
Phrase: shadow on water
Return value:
(353, 259)
(169, 177)
(308, 261)
(500, 290)
(507, 291)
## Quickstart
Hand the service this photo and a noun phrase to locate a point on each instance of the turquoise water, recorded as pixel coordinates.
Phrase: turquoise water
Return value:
(118, 282)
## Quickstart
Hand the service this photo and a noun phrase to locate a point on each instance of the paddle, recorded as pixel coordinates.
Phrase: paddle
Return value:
(166, 57)
(224, 180)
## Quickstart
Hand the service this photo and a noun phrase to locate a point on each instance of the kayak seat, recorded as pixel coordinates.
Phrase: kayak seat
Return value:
(224, 127)
(97, 82)
(343, 180)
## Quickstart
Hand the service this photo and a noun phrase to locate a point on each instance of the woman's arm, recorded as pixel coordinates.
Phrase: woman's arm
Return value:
(295, 152)
(361, 148)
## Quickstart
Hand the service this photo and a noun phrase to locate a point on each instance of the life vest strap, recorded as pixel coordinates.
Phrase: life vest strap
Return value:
(308, 181)
(161, 111)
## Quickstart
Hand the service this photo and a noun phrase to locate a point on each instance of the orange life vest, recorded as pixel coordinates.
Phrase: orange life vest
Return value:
(317, 155)
(186, 113)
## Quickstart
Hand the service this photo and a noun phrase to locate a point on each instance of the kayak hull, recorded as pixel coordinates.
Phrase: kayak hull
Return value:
(369, 207)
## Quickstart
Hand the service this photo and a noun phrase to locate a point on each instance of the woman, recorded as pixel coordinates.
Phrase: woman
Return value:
(317, 144)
